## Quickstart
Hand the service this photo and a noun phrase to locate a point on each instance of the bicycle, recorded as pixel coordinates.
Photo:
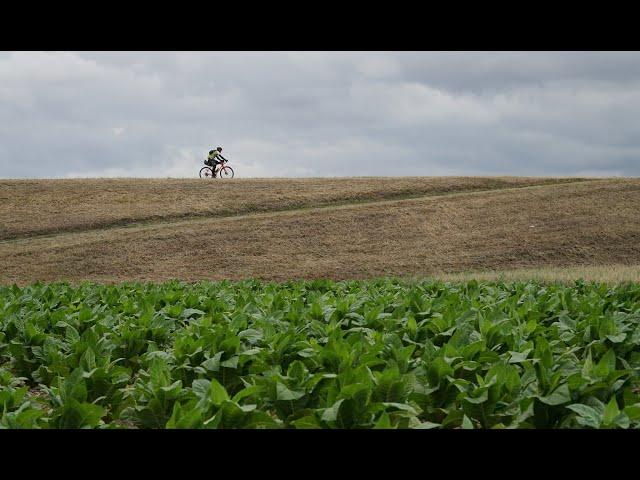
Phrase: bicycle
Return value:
(221, 170)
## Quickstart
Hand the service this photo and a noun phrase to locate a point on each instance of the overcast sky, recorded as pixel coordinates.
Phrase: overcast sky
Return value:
(292, 114)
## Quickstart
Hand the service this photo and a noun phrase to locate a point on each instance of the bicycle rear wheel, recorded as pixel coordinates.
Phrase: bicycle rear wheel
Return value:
(225, 172)
(206, 172)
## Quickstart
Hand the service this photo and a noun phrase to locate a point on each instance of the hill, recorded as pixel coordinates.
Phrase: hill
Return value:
(154, 230)
(35, 207)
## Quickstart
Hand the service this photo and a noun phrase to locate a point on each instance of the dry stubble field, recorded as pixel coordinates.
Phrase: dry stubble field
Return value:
(34, 207)
(155, 230)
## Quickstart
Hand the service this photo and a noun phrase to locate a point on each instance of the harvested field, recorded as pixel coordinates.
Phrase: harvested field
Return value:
(611, 274)
(594, 223)
(36, 207)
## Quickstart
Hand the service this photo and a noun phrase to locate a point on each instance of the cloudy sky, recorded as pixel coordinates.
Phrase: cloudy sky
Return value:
(293, 114)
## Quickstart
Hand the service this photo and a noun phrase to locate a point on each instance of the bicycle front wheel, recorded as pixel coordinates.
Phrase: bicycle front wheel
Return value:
(225, 172)
(206, 172)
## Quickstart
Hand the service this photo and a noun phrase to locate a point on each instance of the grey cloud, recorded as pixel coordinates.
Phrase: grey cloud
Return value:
(320, 114)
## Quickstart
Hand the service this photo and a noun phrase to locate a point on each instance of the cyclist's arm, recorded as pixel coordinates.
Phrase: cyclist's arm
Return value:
(223, 158)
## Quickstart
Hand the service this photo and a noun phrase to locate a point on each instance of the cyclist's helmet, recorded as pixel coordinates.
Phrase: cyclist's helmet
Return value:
(219, 149)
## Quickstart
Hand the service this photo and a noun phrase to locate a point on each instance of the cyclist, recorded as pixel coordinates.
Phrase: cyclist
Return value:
(214, 159)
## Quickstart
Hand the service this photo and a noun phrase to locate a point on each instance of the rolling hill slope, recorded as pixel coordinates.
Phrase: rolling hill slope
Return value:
(36, 207)
(319, 228)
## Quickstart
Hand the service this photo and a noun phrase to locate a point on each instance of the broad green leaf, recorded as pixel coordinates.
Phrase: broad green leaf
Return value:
(466, 423)
(251, 335)
(283, 393)
(232, 416)
(200, 387)
(559, 396)
(611, 411)
(384, 422)
(217, 393)
(587, 416)
(191, 312)
(606, 365)
(401, 406)
(246, 392)
(230, 363)
(427, 426)
(308, 422)
(519, 357)
(482, 397)
(331, 414)
(633, 412)
(187, 417)
(213, 364)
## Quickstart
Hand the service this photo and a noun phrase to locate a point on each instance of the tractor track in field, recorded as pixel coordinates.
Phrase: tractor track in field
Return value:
(190, 219)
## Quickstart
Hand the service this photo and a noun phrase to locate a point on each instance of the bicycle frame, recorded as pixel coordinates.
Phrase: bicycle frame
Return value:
(219, 166)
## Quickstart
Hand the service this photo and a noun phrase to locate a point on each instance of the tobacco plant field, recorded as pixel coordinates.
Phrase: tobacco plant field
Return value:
(320, 354)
